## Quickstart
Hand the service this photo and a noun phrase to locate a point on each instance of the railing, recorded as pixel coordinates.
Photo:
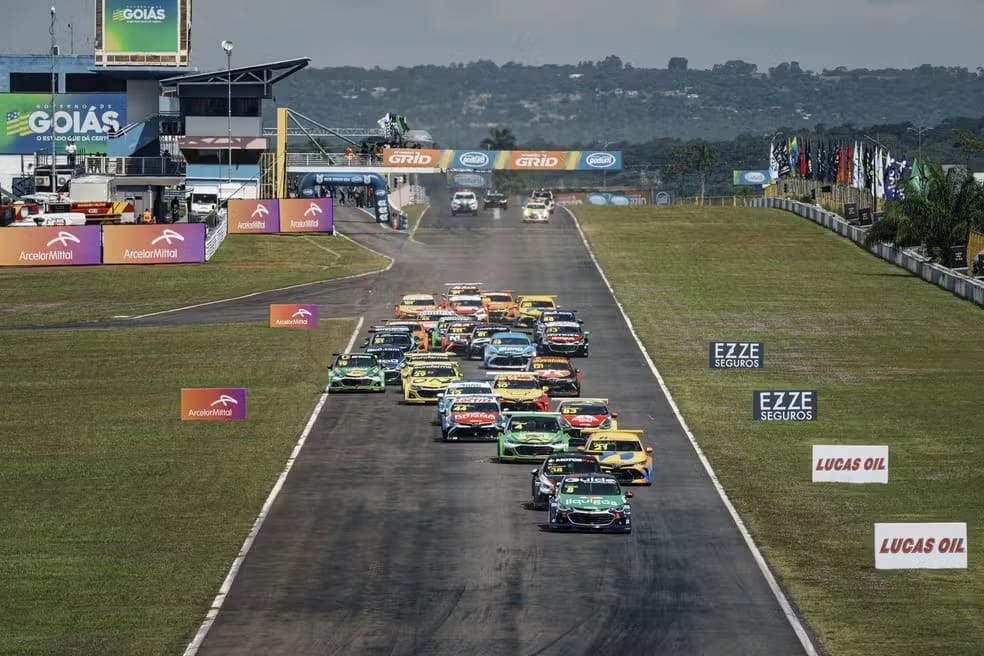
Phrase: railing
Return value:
(133, 126)
(333, 159)
(134, 166)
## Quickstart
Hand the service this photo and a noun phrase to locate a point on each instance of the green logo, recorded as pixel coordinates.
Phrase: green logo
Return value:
(132, 26)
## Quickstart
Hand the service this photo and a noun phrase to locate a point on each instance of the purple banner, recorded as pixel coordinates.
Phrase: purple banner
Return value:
(176, 243)
(307, 215)
(49, 246)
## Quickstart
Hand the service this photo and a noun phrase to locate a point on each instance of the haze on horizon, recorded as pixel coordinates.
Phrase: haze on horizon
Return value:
(385, 33)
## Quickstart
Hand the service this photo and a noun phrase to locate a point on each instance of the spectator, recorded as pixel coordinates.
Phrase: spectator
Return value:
(148, 218)
(175, 204)
(70, 150)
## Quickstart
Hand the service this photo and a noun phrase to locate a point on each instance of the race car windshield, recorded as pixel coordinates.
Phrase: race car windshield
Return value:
(498, 298)
(536, 206)
(510, 341)
(563, 330)
(538, 304)
(392, 338)
(534, 425)
(522, 384)
(389, 354)
(418, 302)
(555, 468)
(591, 489)
(464, 196)
(613, 445)
(433, 372)
(586, 409)
(475, 407)
(356, 361)
(554, 366)
(466, 304)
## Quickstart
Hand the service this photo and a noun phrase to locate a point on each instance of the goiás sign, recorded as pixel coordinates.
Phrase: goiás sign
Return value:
(850, 464)
(784, 405)
(921, 546)
(737, 355)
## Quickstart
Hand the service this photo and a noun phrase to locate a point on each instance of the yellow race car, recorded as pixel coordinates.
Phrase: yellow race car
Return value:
(413, 359)
(425, 381)
(622, 454)
(521, 392)
(531, 307)
(411, 305)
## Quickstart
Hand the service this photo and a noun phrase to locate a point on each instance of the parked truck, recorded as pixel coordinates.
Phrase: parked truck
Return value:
(202, 200)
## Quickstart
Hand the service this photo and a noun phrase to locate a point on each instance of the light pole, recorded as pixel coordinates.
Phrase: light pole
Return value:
(919, 133)
(227, 46)
(604, 172)
(54, 90)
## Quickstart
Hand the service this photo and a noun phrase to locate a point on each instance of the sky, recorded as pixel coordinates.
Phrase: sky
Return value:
(387, 33)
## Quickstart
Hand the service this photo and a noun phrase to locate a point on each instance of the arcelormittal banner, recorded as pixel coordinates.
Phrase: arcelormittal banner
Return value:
(175, 243)
(54, 246)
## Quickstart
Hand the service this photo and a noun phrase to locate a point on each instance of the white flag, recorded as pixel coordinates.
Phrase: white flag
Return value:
(856, 167)
(879, 174)
(773, 162)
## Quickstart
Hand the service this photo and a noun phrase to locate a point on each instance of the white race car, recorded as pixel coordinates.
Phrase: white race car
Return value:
(464, 202)
(536, 212)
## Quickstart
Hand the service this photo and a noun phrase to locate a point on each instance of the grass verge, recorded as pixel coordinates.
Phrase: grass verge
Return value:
(415, 213)
(244, 264)
(119, 520)
(896, 361)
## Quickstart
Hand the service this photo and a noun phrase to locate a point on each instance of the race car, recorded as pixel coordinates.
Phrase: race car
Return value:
(493, 200)
(621, 454)
(473, 417)
(500, 305)
(530, 309)
(386, 329)
(556, 374)
(508, 351)
(590, 502)
(455, 339)
(585, 414)
(535, 212)
(356, 372)
(520, 391)
(402, 340)
(412, 359)
(546, 197)
(430, 318)
(464, 202)
(470, 306)
(531, 436)
(462, 289)
(441, 329)
(564, 338)
(417, 329)
(481, 335)
(463, 387)
(554, 469)
(425, 382)
(411, 305)
(553, 316)
(391, 360)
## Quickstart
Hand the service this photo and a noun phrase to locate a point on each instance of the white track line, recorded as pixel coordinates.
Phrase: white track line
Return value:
(787, 608)
(216, 606)
(278, 289)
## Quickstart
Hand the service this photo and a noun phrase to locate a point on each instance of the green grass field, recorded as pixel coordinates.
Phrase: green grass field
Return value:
(119, 521)
(415, 213)
(896, 361)
(244, 264)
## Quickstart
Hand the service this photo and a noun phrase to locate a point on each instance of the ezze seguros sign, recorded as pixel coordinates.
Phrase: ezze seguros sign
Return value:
(785, 405)
(737, 355)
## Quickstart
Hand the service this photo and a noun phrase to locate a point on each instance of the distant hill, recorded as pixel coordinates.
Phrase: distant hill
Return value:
(614, 101)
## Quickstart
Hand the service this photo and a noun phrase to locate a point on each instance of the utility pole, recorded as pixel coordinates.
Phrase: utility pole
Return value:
(227, 46)
(54, 90)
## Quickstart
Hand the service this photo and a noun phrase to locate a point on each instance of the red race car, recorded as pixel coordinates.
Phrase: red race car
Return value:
(581, 414)
(556, 373)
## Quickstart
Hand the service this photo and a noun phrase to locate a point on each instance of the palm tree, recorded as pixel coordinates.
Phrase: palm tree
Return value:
(703, 158)
(499, 139)
(939, 220)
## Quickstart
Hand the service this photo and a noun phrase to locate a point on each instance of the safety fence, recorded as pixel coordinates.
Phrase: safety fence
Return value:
(216, 235)
(952, 281)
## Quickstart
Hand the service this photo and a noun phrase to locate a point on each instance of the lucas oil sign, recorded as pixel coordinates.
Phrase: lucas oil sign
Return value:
(850, 464)
(737, 355)
(85, 118)
(785, 405)
(921, 546)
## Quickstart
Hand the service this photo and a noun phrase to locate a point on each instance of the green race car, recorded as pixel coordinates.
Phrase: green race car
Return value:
(531, 436)
(356, 372)
(590, 502)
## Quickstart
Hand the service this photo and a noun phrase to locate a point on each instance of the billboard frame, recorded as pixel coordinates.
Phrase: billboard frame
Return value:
(179, 58)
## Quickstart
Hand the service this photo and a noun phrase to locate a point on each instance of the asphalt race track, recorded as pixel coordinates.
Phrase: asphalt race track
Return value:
(387, 541)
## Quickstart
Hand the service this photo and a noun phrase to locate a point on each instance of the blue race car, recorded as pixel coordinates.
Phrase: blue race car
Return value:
(473, 418)
(509, 351)
(391, 359)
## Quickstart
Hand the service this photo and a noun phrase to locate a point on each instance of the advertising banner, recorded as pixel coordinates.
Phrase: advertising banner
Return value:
(139, 26)
(737, 355)
(293, 316)
(82, 117)
(921, 546)
(850, 464)
(470, 180)
(513, 160)
(254, 216)
(176, 243)
(213, 404)
(306, 215)
(54, 246)
(784, 405)
(752, 178)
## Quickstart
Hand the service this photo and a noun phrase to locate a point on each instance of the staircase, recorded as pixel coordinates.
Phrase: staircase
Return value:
(143, 138)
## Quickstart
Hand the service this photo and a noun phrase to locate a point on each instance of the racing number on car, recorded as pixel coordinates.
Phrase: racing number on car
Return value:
(599, 446)
(568, 410)
(570, 489)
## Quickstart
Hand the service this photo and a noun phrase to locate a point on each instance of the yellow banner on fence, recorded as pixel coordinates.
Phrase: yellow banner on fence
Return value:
(975, 244)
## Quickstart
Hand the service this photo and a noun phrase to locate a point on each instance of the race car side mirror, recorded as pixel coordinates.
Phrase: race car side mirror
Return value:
(614, 415)
(628, 494)
(534, 471)
(649, 449)
(587, 333)
(577, 371)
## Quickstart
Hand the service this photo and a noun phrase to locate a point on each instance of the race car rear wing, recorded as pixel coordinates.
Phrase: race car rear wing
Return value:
(635, 431)
(383, 328)
(463, 284)
(582, 399)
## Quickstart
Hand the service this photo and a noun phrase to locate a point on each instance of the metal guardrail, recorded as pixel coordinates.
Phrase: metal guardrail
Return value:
(133, 166)
(332, 159)
(959, 284)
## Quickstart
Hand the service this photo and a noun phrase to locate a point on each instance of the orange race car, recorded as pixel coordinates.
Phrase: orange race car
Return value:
(413, 304)
(501, 306)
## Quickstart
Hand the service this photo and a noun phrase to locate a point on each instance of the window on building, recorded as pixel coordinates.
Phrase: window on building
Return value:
(93, 83)
(30, 82)
(243, 107)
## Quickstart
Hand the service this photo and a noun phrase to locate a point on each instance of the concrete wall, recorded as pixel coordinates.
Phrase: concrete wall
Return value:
(215, 126)
(963, 286)
(141, 99)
